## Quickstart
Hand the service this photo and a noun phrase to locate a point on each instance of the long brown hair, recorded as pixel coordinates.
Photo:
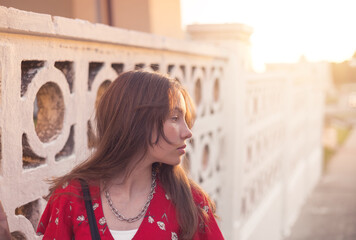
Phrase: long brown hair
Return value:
(133, 106)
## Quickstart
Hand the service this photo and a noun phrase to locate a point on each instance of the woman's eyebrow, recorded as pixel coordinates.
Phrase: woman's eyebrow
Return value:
(179, 110)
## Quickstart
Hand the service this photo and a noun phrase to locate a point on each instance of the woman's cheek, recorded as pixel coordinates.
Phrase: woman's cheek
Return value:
(171, 129)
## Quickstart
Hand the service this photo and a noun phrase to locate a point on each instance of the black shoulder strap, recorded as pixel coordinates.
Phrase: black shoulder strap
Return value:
(89, 206)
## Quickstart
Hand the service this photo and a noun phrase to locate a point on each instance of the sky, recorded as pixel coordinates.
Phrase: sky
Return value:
(284, 30)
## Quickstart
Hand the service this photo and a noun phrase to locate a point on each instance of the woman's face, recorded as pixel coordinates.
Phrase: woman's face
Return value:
(176, 130)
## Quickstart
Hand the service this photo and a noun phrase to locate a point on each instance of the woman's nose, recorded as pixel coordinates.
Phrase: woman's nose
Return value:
(186, 133)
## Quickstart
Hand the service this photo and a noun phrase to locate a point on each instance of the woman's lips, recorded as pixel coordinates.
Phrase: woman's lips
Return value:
(181, 149)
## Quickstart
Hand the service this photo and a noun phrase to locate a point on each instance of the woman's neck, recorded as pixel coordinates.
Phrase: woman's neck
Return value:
(138, 182)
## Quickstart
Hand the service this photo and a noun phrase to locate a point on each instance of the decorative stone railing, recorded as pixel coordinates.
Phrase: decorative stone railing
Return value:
(274, 141)
(52, 72)
(282, 149)
(256, 139)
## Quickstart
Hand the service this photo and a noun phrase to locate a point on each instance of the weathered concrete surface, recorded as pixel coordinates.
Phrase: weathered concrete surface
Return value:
(330, 211)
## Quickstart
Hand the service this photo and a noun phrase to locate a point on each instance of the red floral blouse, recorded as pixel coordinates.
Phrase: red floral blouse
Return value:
(65, 216)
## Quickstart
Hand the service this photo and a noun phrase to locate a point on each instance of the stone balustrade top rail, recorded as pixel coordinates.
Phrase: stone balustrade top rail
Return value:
(17, 21)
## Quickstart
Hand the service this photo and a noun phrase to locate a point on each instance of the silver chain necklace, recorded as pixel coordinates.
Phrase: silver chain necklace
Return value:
(144, 209)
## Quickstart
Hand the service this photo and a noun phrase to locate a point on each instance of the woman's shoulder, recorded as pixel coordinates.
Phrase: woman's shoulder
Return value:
(72, 186)
(72, 189)
(65, 207)
(202, 199)
(199, 195)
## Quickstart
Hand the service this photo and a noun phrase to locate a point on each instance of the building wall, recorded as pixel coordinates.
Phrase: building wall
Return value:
(134, 15)
(159, 17)
(166, 18)
(63, 8)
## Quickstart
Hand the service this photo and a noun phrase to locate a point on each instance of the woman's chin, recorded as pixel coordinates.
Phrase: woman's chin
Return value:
(174, 162)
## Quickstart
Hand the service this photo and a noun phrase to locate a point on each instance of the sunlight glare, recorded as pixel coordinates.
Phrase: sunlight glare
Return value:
(285, 30)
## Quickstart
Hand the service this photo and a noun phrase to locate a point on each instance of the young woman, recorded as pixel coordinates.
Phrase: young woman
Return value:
(137, 188)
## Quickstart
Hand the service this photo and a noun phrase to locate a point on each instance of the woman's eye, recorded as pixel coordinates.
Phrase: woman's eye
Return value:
(175, 118)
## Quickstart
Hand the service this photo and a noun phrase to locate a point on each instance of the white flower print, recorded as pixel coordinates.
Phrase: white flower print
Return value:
(161, 225)
(95, 206)
(65, 185)
(150, 219)
(80, 218)
(102, 221)
(56, 221)
(174, 236)
(206, 209)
